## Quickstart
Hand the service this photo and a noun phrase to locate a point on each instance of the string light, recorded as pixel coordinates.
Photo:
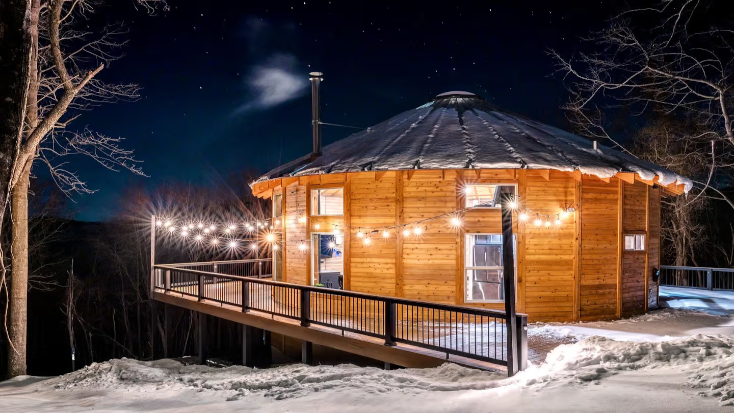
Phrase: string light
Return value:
(206, 230)
(200, 225)
(523, 217)
(417, 230)
(547, 224)
(538, 222)
(558, 221)
(227, 231)
(215, 241)
(253, 246)
(277, 222)
(302, 219)
(513, 204)
(270, 237)
(159, 223)
(360, 234)
(184, 233)
(302, 246)
(233, 244)
(331, 244)
(406, 232)
(250, 227)
(275, 247)
(212, 227)
(185, 228)
(171, 229)
(386, 234)
(336, 230)
(167, 224)
(455, 222)
(231, 227)
(317, 226)
(367, 241)
(198, 237)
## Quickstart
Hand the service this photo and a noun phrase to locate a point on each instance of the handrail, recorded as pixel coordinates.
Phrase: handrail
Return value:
(472, 332)
(683, 267)
(697, 277)
(447, 307)
(182, 264)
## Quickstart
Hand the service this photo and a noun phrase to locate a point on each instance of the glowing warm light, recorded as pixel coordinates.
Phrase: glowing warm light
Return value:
(159, 223)
(523, 217)
(336, 231)
(198, 237)
(331, 244)
(259, 224)
(167, 224)
(212, 227)
(253, 246)
(301, 219)
(512, 204)
(367, 241)
(360, 234)
(232, 244)
(250, 228)
(455, 222)
(302, 246)
(547, 224)
(185, 228)
(206, 230)
(171, 229)
(406, 232)
(417, 230)
(227, 230)
(270, 237)
(538, 222)
(200, 225)
(564, 214)
(558, 222)
(317, 226)
(184, 233)
(467, 190)
(386, 234)
(215, 241)
(275, 247)
(232, 227)
(277, 222)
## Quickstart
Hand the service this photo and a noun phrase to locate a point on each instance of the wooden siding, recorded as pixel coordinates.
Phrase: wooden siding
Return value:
(549, 252)
(372, 204)
(634, 221)
(653, 246)
(295, 260)
(599, 249)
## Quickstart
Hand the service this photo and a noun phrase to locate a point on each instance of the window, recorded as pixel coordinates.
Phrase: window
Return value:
(277, 205)
(484, 195)
(277, 264)
(328, 260)
(483, 268)
(634, 242)
(327, 201)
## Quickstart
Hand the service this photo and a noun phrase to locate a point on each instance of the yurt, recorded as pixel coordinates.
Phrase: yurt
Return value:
(411, 208)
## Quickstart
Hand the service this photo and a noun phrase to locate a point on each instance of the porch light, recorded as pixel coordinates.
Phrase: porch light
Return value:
(467, 190)
(386, 234)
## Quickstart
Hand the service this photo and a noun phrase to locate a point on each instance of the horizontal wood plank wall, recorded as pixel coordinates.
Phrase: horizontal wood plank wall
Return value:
(429, 259)
(653, 246)
(599, 244)
(372, 204)
(549, 252)
(634, 221)
(295, 207)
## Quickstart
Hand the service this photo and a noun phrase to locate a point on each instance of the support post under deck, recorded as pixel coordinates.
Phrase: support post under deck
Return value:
(202, 339)
(307, 352)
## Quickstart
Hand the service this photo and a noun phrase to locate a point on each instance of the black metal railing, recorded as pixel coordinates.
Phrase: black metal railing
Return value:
(262, 267)
(697, 277)
(470, 332)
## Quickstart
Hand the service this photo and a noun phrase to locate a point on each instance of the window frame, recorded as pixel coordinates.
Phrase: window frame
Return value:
(468, 268)
(315, 263)
(635, 235)
(322, 187)
(498, 184)
(275, 210)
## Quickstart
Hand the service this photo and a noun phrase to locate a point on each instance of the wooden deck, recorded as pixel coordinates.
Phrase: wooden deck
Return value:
(267, 305)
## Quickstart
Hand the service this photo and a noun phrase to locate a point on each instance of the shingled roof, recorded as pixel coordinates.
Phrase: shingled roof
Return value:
(460, 130)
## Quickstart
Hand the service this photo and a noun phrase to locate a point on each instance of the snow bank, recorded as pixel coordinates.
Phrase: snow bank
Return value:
(707, 360)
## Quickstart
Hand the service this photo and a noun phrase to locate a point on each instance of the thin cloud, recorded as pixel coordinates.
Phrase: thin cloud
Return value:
(273, 82)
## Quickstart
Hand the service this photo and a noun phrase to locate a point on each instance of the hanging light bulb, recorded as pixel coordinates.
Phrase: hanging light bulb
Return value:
(455, 222)
(212, 227)
(184, 233)
(215, 241)
(467, 190)
(200, 225)
(270, 237)
(417, 230)
(367, 241)
(538, 222)
(232, 226)
(253, 246)
(277, 222)
(185, 227)
(360, 234)
(159, 223)
(331, 244)
(523, 217)
(167, 224)
(227, 230)
(386, 234)
(547, 223)
(558, 221)
(275, 247)
(406, 232)
(250, 228)
(198, 237)
(232, 244)
(171, 229)
(317, 226)
(336, 230)
(302, 246)
(564, 214)
(513, 204)
(302, 219)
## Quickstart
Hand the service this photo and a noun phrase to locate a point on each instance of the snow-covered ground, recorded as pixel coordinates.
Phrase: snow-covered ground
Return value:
(673, 360)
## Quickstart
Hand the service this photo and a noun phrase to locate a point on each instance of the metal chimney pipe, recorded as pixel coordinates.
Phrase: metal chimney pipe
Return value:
(316, 79)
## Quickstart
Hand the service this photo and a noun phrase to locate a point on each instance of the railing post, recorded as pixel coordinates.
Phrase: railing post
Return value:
(305, 307)
(389, 318)
(245, 296)
(709, 279)
(167, 281)
(522, 342)
(201, 287)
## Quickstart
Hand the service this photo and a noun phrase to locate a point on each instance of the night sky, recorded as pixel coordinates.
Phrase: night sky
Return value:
(226, 82)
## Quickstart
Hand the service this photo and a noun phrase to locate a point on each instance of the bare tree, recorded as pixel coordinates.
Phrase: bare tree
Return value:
(65, 59)
(664, 56)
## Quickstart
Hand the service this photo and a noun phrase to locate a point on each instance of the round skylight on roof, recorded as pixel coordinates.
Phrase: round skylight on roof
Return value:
(456, 93)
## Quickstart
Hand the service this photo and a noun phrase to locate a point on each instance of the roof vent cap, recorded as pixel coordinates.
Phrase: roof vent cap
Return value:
(456, 94)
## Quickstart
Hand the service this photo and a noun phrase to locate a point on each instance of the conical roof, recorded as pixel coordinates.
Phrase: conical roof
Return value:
(460, 130)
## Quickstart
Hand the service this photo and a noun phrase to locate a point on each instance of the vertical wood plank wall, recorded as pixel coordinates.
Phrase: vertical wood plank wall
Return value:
(564, 273)
(653, 246)
(599, 244)
(634, 221)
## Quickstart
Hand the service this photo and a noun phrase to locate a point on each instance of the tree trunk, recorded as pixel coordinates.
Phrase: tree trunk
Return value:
(18, 320)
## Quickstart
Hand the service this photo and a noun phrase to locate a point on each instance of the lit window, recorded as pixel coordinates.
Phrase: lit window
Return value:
(485, 196)
(278, 205)
(484, 268)
(327, 201)
(634, 242)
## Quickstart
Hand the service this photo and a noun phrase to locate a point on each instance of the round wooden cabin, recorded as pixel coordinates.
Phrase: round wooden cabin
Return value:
(410, 208)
